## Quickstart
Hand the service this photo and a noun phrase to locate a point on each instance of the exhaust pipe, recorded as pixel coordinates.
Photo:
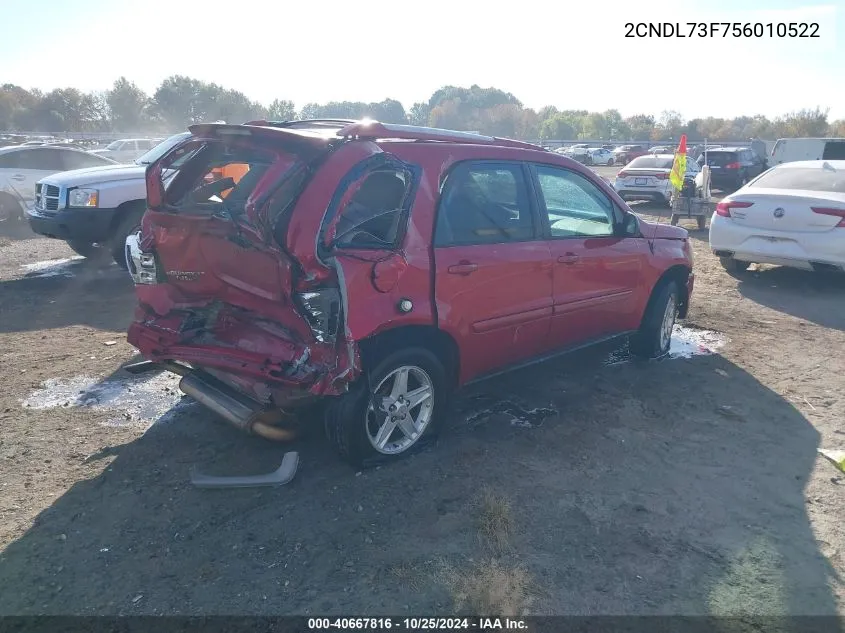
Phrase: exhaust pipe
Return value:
(233, 407)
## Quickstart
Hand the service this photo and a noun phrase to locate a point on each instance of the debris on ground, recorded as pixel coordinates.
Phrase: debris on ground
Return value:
(837, 458)
(279, 477)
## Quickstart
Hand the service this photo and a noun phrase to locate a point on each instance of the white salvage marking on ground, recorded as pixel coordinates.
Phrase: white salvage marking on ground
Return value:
(52, 267)
(688, 342)
(140, 400)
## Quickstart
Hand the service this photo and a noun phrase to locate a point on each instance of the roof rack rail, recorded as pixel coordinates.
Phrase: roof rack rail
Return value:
(375, 129)
(330, 123)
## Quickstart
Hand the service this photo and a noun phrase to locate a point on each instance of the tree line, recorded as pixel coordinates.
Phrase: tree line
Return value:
(181, 101)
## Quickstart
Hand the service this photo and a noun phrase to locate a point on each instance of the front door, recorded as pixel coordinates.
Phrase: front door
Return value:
(597, 270)
(493, 280)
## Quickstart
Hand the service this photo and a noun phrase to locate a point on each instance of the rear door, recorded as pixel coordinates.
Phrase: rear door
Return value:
(493, 275)
(596, 270)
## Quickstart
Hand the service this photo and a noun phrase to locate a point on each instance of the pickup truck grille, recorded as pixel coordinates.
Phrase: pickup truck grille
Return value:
(47, 197)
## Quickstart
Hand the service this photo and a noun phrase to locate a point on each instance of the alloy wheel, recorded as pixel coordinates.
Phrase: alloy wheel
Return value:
(400, 410)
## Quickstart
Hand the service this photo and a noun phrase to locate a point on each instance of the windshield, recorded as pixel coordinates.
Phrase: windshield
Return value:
(825, 179)
(651, 162)
(159, 150)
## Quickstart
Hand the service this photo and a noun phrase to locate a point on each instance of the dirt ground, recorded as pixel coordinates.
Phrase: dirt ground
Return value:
(581, 486)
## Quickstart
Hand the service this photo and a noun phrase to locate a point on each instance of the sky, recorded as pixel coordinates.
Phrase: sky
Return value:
(572, 54)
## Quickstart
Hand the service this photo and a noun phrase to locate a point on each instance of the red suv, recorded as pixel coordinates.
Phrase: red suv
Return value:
(377, 267)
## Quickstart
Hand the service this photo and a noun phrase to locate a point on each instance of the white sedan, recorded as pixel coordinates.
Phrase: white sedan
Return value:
(791, 215)
(24, 165)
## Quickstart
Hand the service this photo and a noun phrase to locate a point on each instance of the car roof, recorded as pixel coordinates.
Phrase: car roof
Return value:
(39, 148)
(812, 164)
(317, 133)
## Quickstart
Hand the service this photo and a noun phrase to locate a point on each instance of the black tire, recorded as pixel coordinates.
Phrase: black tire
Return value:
(702, 222)
(734, 266)
(86, 249)
(347, 419)
(129, 224)
(610, 162)
(649, 341)
(10, 209)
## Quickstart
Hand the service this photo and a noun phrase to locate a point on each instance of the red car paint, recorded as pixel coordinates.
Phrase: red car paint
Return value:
(226, 296)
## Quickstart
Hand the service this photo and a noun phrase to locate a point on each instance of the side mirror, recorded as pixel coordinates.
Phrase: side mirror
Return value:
(630, 225)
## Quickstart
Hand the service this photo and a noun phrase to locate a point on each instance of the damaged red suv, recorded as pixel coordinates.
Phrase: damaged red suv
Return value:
(375, 268)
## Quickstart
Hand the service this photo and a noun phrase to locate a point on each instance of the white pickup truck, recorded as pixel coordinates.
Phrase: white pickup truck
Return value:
(94, 210)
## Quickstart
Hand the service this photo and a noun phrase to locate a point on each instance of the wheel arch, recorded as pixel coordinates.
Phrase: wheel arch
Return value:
(435, 340)
(122, 210)
(678, 273)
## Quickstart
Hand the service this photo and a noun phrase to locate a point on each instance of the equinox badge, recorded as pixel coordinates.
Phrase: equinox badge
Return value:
(181, 275)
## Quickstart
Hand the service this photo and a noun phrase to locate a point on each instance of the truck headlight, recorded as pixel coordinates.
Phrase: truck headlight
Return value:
(82, 197)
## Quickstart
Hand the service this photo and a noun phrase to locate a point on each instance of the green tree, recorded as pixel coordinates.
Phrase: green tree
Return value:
(127, 105)
(641, 126)
(281, 110)
(419, 113)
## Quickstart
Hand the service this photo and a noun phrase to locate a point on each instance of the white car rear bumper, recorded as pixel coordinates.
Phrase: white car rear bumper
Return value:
(795, 249)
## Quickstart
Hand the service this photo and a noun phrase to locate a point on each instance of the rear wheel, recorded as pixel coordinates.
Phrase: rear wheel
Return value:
(386, 417)
(653, 338)
(610, 162)
(129, 225)
(734, 266)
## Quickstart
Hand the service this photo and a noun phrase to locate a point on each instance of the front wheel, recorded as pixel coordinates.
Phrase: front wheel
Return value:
(610, 162)
(385, 417)
(129, 225)
(653, 338)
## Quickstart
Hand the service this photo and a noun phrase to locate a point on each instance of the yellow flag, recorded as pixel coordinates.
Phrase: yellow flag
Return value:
(679, 166)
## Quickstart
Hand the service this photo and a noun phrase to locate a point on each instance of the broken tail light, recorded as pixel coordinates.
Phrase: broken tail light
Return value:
(321, 308)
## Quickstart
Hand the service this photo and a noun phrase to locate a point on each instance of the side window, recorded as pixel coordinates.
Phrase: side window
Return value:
(575, 206)
(80, 160)
(834, 150)
(484, 203)
(10, 160)
(42, 159)
(372, 218)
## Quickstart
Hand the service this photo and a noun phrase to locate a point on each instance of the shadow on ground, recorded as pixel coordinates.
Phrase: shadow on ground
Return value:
(660, 488)
(812, 296)
(16, 230)
(67, 292)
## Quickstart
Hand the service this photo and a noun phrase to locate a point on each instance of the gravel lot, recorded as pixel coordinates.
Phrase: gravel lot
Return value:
(588, 485)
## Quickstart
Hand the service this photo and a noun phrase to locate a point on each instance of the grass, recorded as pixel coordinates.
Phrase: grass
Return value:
(495, 520)
(490, 589)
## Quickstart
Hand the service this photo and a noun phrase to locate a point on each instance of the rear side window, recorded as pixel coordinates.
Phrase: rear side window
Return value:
(834, 150)
(373, 216)
(811, 179)
(484, 203)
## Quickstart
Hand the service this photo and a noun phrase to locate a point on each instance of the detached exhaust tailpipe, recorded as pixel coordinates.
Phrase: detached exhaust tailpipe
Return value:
(233, 407)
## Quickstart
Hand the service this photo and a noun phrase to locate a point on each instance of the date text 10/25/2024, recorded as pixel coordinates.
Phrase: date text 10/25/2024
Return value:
(418, 624)
(722, 29)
